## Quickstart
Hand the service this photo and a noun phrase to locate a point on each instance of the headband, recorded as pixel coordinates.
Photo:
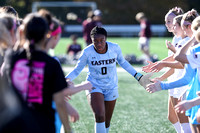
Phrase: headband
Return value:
(172, 14)
(186, 23)
(57, 31)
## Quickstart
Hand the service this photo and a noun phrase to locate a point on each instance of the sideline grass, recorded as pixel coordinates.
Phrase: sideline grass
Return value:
(128, 45)
(136, 110)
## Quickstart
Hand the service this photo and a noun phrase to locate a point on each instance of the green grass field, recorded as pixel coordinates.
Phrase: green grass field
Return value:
(128, 45)
(136, 110)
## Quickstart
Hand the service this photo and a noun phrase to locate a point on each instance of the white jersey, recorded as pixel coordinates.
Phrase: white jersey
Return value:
(193, 56)
(175, 41)
(102, 67)
(179, 72)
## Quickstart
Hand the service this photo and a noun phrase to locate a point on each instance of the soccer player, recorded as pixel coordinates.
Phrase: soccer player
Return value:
(169, 74)
(37, 77)
(74, 48)
(179, 92)
(55, 32)
(101, 57)
(189, 76)
(192, 57)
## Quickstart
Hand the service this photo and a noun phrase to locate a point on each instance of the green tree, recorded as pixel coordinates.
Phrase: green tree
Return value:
(119, 11)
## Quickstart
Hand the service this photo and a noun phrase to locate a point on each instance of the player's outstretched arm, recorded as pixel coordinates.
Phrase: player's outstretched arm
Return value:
(164, 75)
(72, 89)
(185, 105)
(147, 67)
(74, 116)
(161, 64)
(184, 80)
(58, 97)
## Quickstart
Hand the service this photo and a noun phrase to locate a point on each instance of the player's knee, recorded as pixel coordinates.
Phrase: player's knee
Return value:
(171, 118)
(100, 117)
(168, 117)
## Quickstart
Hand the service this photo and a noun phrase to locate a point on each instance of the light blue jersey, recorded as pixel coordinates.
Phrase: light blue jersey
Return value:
(193, 58)
(102, 71)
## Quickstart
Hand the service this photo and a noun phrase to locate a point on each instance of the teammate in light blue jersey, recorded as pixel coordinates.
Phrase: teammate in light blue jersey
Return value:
(101, 57)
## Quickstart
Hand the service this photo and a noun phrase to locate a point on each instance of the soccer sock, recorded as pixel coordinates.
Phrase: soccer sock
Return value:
(107, 129)
(100, 127)
(185, 127)
(177, 127)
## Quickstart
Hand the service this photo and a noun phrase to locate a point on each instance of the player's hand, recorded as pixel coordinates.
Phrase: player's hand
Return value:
(183, 106)
(147, 67)
(157, 67)
(69, 82)
(145, 80)
(156, 79)
(153, 87)
(170, 46)
(87, 85)
(74, 116)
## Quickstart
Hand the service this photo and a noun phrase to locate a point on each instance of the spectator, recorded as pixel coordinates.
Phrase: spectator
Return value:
(74, 48)
(98, 17)
(88, 24)
(94, 19)
(145, 33)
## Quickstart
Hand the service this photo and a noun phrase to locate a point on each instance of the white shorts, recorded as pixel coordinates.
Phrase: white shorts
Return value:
(177, 92)
(171, 92)
(143, 43)
(109, 94)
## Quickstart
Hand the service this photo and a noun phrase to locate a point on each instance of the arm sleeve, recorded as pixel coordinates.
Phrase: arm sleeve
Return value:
(82, 62)
(184, 80)
(125, 64)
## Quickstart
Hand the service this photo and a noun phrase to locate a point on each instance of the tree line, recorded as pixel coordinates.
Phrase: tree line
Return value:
(120, 11)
